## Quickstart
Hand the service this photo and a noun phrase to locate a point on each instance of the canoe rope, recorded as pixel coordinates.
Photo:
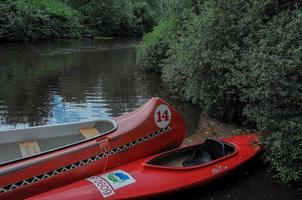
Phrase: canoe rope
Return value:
(108, 141)
(104, 154)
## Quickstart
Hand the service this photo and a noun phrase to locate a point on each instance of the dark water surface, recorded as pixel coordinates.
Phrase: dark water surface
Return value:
(250, 181)
(65, 81)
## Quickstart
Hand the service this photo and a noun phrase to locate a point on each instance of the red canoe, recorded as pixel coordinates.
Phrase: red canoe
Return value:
(167, 172)
(39, 159)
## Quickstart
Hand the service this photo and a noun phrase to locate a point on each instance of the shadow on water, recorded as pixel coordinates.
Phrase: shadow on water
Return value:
(248, 182)
(63, 81)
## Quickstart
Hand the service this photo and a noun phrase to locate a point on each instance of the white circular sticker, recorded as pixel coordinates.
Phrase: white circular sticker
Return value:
(162, 116)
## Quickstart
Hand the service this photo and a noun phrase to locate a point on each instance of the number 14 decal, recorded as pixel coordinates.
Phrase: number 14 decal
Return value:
(162, 116)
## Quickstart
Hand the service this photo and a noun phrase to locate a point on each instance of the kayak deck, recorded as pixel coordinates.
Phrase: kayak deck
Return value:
(152, 176)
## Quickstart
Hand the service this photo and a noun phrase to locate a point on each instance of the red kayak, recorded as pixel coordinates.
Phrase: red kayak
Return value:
(167, 172)
(38, 159)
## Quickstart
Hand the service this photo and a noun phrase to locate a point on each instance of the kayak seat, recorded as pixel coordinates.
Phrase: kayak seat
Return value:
(214, 147)
(211, 149)
(199, 157)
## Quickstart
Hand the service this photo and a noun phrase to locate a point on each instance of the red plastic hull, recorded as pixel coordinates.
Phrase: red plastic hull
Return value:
(149, 181)
(137, 136)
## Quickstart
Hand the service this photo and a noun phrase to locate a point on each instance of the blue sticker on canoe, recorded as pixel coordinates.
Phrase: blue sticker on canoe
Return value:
(108, 183)
(118, 179)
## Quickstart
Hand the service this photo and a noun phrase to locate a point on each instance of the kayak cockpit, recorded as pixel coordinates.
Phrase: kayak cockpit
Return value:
(199, 155)
(23, 143)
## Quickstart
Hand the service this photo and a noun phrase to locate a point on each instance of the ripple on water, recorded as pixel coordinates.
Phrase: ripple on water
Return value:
(57, 82)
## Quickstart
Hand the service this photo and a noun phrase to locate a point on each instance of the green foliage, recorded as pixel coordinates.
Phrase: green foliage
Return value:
(240, 60)
(103, 18)
(46, 19)
(144, 17)
(117, 18)
(272, 90)
(153, 50)
(155, 47)
(37, 19)
(204, 61)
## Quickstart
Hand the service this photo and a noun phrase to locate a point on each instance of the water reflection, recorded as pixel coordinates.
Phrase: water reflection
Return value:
(64, 81)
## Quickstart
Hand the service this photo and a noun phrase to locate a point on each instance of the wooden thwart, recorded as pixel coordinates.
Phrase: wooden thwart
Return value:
(89, 132)
(29, 148)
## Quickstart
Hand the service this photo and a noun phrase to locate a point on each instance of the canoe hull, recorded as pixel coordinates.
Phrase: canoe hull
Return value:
(136, 136)
(148, 181)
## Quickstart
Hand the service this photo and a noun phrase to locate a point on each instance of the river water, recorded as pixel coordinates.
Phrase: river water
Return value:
(72, 80)
(66, 81)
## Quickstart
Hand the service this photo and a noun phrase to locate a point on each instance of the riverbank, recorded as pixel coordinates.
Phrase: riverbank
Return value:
(210, 127)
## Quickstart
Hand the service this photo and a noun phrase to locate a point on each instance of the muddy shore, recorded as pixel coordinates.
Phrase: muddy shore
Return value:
(209, 127)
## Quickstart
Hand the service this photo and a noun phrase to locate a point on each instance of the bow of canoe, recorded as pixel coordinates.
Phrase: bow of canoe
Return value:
(97, 146)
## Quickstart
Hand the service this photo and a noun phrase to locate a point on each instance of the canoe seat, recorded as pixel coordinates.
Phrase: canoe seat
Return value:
(89, 132)
(210, 150)
(29, 148)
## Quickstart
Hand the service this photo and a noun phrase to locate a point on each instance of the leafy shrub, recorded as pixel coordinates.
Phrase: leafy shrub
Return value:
(240, 60)
(117, 18)
(46, 19)
(204, 61)
(37, 19)
(152, 51)
(105, 17)
(272, 90)
(155, 46)
(144, 17)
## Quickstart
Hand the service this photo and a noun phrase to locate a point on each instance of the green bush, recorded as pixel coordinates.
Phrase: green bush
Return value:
(22, 20)
(37, 19)
(144, 18)
(203, 64)
(241, 61)
(155, 46)
(272, 90)
(106, 17)
(152, 51)
(117, 18)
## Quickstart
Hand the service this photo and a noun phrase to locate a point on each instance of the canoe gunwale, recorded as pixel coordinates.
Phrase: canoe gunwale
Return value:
(115, 126)
(134, 139)
(115, 151)
(148, 163)
(63, 124)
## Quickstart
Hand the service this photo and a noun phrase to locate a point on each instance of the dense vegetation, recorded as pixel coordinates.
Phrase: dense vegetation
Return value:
(239, 60)
(22, 20)
(37, 19)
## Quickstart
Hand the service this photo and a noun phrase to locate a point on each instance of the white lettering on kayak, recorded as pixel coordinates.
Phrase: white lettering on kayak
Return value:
(219, 169)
